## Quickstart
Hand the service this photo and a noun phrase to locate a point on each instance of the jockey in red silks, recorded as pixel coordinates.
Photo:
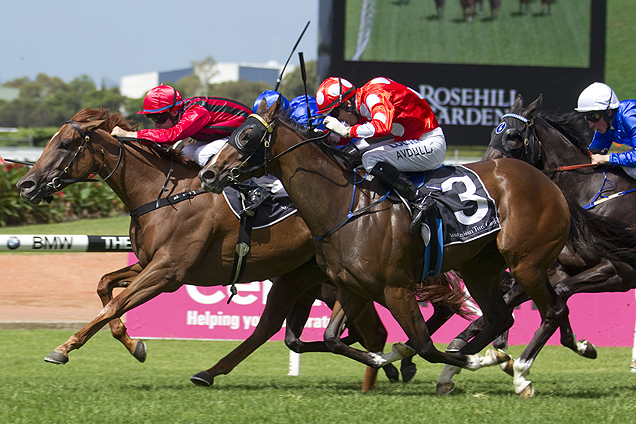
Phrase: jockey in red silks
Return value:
(383, 109)
(207, 120)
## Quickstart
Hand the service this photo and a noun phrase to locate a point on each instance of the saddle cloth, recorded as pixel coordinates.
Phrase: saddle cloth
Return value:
(276, 207)
(465, 206)
(464, 211)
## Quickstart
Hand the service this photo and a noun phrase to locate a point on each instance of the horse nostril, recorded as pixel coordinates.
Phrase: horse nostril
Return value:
(207, 175)
(25, 185)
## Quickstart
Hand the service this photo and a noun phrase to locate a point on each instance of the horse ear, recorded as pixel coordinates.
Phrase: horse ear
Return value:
(262, 107)
(518, 104)
(532, 107)
(274, 109)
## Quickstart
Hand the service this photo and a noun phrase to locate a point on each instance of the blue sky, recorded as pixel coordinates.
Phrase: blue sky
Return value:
(67, 39)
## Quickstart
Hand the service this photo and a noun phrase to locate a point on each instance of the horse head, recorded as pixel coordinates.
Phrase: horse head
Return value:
(247, 152)
(515, 136)
(68, 157)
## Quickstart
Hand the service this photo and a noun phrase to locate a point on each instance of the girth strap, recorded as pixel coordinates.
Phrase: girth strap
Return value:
(242, 249)
(165, 201)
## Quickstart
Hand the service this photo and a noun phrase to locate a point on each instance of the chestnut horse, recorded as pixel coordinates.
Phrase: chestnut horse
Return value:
(190, 242)
(371, 253)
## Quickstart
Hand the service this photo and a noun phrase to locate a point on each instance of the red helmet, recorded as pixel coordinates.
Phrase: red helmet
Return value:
(332, 92)
(161, 99)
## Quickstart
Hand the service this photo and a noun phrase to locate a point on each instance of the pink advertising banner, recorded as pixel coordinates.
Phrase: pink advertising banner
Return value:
(606, 319)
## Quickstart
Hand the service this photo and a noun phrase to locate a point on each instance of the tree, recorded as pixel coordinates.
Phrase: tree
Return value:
(292, 83)
(242, 91)
(205, 70)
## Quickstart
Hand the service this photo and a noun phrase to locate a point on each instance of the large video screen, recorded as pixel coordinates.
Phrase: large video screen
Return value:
(470, 66)
(414, 31)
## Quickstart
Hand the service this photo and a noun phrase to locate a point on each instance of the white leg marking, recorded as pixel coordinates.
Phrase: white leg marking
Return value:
(522, 370)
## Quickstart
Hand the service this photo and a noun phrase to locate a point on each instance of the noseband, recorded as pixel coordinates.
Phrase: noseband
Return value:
(57, 182)
(530, 151)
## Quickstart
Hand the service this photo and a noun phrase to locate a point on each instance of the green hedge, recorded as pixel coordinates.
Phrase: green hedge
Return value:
(80, 200)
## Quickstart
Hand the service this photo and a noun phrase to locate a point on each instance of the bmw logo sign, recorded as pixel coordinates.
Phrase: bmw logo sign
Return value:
(500, 128)
(13, 242)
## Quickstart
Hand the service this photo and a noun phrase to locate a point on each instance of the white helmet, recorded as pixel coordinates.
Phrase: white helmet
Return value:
(597, 97)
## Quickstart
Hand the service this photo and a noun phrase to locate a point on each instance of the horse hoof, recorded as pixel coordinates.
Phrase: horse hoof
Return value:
(56, 357)
(202, 379)
(527, 392)
(590, 350)
(444, 389)
(140, 351)
(392, 373)
(508, 367)
(409, 372)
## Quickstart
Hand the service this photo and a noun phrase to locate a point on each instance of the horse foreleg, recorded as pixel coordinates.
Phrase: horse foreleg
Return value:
(346, 309)
(441, 314)
(154, 279)
(284, 292)
(553, 311)
(107, 283)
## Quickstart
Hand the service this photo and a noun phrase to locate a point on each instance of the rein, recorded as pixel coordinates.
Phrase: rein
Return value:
(265, 140)
(57, 182)
(598, 199)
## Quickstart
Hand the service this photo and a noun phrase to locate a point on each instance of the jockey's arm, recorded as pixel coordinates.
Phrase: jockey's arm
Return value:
(120, 132)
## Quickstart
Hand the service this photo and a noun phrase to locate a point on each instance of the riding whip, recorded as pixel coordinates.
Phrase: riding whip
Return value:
(303, 72)
(280, 77)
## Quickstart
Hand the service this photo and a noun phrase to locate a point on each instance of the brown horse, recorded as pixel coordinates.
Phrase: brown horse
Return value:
(557, 145)
(372, 254)
(190, 242)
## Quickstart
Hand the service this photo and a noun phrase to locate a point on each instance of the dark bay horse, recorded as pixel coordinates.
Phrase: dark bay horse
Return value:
(375, 257)
(192, 242)
(557, 144)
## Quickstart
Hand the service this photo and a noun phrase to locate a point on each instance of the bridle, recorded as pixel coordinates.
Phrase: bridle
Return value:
(56, 183)
(530, 151)
(255, 151)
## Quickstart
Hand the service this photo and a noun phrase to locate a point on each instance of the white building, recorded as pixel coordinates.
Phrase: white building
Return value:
(136, 86)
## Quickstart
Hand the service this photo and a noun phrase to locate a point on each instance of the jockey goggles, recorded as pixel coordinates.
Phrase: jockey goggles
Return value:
(593, 117)
(159, 118)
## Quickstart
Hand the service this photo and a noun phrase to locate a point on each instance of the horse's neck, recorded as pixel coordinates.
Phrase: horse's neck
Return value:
(320, 189)
(141, 174)
(557, 149)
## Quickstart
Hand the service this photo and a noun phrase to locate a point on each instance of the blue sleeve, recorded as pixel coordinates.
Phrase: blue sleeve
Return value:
(627, 158)
(629, 127)
(600, 142)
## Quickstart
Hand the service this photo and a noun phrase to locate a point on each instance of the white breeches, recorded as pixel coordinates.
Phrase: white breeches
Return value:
(201, 152)
(410, 155)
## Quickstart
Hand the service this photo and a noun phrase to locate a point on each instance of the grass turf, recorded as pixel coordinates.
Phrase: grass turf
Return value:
(103, 383)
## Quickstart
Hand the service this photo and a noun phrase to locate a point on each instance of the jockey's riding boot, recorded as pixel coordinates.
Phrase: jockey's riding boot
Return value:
(420, 207)
(420, 202)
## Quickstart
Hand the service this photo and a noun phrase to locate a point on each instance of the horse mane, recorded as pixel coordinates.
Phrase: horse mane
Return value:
(116, 119)
(572, 126)
(350, 159)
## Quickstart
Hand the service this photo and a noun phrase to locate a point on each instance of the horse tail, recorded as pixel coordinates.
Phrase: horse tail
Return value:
(444, 290)
(601, 236)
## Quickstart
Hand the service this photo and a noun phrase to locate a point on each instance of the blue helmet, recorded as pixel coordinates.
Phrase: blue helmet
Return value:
(298, 111)
(270, 96)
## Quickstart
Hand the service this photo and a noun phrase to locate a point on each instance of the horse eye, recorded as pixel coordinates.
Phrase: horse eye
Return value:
(64, 145)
